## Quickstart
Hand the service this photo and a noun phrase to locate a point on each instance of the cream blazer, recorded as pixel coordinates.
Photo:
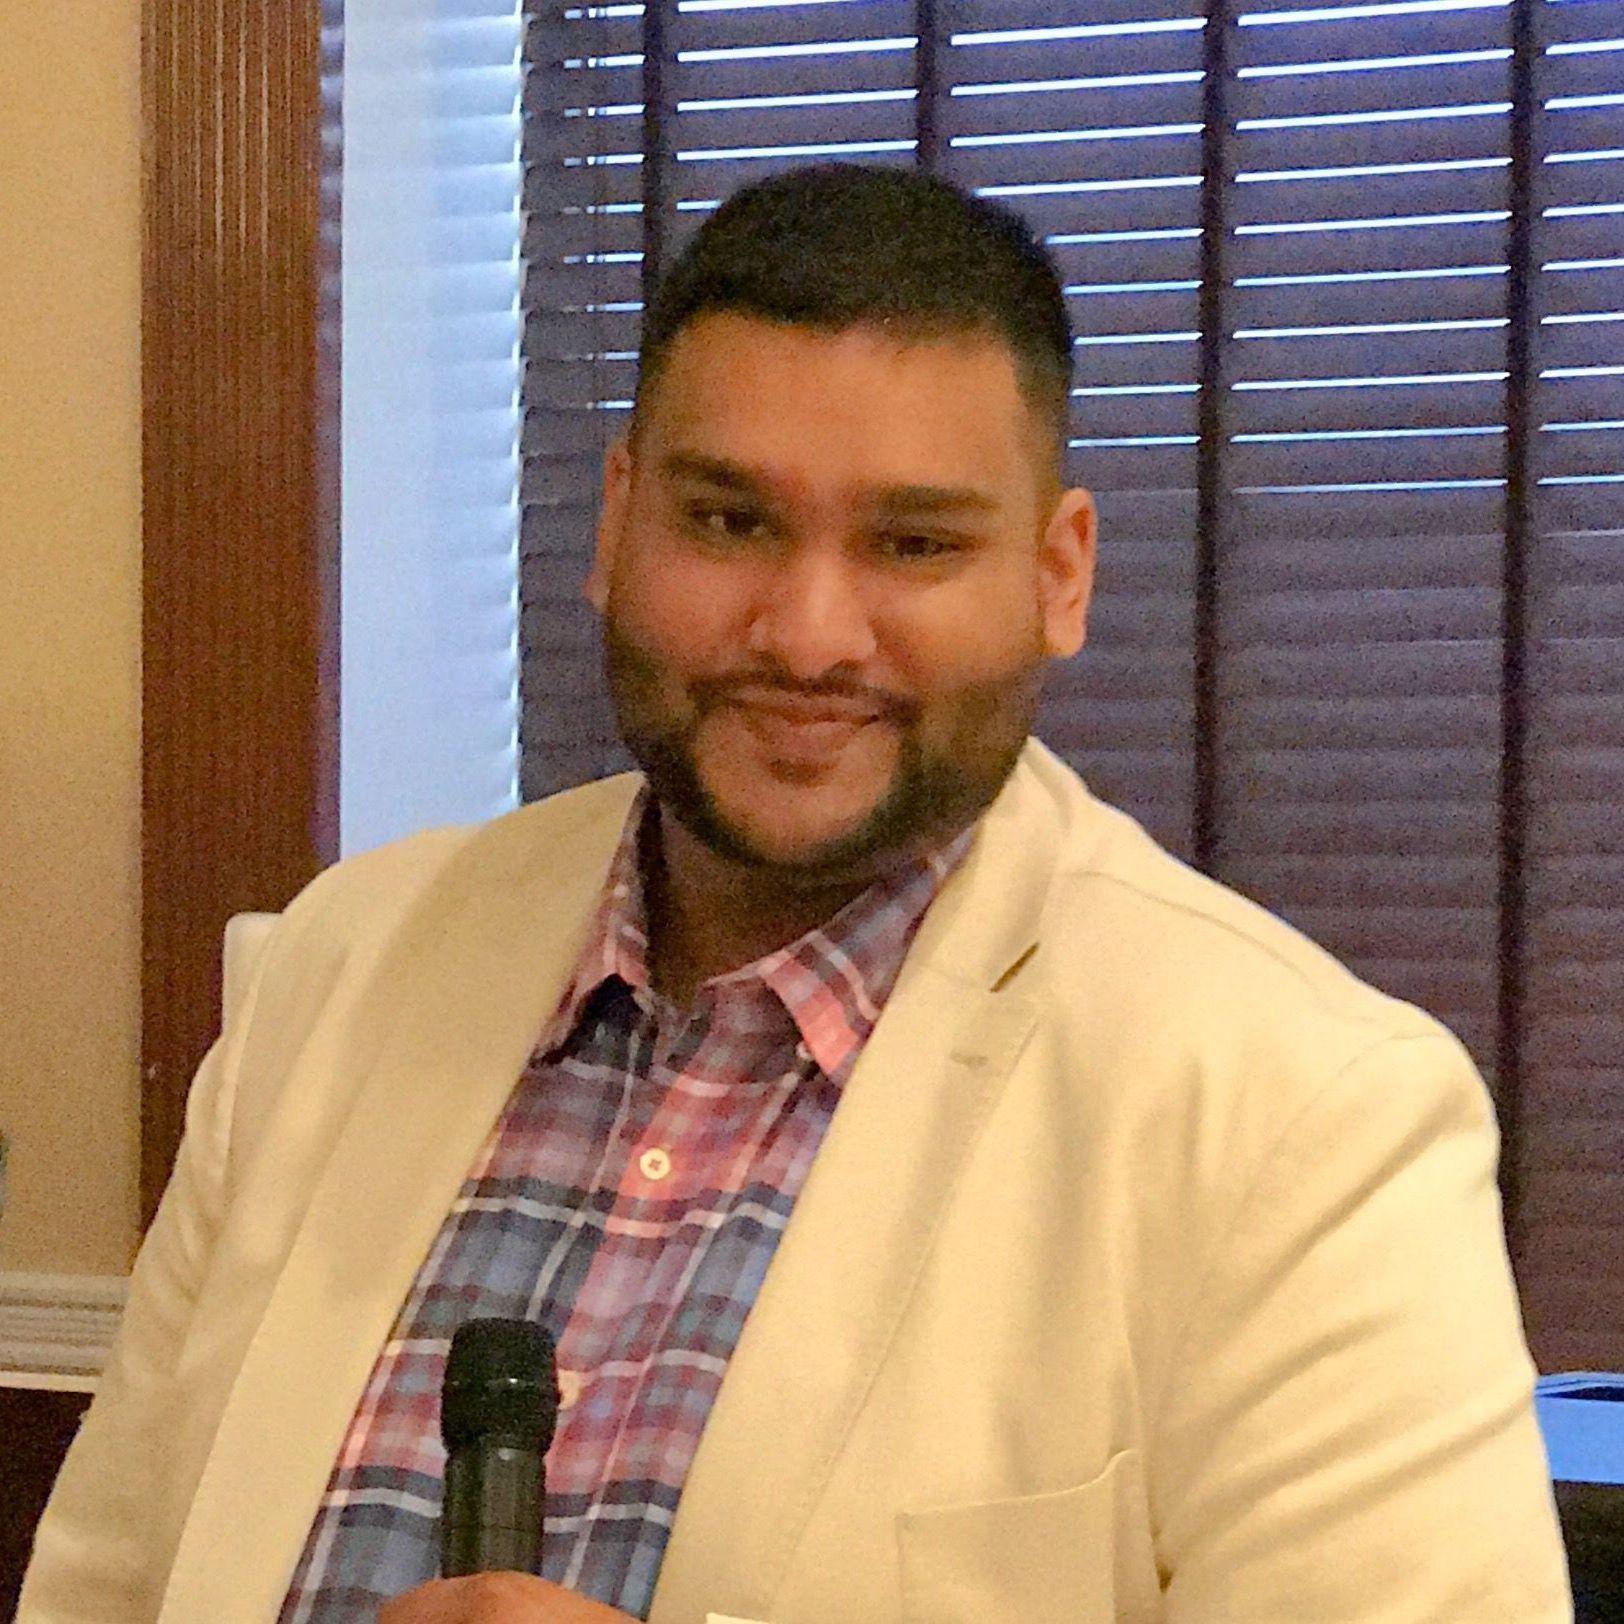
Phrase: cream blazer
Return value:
(1151, 1269)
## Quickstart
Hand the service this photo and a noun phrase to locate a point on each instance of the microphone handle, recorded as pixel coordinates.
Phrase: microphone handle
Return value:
(491, 1519)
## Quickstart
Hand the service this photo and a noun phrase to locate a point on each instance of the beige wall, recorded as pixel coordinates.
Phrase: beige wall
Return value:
(70, 631)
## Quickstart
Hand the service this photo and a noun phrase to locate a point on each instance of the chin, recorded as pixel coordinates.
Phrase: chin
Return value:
(814, 845)
(849, 827)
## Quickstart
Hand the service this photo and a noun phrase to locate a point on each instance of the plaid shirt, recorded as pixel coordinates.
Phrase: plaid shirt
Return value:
(629, 1198)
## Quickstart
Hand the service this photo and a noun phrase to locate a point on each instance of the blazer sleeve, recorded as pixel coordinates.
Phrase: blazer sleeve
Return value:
(98, 1556)
(1349, 1431)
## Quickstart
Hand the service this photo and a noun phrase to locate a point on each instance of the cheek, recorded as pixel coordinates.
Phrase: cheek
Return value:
(685, 610)
(988, 631)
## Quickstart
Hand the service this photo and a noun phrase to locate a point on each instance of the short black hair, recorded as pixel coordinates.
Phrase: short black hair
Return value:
(839, 245)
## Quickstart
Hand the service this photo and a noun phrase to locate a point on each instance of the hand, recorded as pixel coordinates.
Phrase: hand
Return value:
(496, 1598)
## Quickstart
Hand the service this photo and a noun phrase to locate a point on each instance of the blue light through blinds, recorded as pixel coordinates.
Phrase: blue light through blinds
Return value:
(429, 679)
(765, 88)
(1580, 193)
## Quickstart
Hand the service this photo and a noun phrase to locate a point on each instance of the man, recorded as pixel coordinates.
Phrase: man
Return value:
(948, 1207)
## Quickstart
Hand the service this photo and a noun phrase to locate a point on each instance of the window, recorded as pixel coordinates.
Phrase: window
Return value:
(1348, 282)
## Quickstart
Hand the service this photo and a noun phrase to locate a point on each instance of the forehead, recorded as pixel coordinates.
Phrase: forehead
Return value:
(860, 403)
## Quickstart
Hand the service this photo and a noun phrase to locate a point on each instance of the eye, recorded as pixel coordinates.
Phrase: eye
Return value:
(719, 522)
(920, 548)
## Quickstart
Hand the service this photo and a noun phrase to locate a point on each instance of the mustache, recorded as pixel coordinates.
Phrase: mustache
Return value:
(711, 692)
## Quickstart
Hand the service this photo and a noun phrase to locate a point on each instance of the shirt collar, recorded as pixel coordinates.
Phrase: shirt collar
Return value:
(833, 980)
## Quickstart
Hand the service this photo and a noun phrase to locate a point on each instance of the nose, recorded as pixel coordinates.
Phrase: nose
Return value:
(813, 616)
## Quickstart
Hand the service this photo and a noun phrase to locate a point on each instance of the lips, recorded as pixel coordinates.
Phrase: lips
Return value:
(803, 732)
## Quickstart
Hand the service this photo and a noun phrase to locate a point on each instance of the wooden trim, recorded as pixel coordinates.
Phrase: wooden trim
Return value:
(239, 467)
(56, 1329)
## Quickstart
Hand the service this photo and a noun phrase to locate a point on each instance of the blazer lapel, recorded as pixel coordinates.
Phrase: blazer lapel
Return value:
(460, 999)
(844, 1269)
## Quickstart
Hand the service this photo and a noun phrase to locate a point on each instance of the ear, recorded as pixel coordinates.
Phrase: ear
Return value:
(1066, 572)
(617, 485)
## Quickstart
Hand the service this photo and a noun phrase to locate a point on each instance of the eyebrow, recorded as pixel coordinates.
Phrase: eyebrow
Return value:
(889, 499)
(935, 499)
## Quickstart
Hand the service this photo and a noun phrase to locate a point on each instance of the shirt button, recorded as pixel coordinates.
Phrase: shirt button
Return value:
(655, 1164)
(570, 1383)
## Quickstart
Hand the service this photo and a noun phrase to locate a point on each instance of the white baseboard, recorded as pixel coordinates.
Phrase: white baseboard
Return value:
(56, 1329)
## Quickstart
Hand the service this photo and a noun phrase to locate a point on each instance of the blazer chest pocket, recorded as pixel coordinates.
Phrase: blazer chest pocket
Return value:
(1073, 1556)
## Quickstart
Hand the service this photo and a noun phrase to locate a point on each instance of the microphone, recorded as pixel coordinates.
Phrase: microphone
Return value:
(498, 1411)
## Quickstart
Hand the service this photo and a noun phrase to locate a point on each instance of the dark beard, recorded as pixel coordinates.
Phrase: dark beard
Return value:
(932, 797)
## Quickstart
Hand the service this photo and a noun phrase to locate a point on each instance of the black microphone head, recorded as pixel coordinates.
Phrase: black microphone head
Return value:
(501, 1381)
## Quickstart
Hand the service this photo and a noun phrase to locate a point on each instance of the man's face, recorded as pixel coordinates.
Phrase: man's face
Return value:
(832, 573)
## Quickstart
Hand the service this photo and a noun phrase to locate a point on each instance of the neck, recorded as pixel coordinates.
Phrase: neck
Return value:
(708, 915)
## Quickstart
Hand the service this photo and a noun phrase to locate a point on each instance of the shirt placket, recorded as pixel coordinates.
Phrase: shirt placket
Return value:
(643, 1161)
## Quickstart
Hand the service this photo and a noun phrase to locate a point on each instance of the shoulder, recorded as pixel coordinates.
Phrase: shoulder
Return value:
(1239, 1087)
(334, 961)
(337, 929)
(375, 890)
(1175, 974)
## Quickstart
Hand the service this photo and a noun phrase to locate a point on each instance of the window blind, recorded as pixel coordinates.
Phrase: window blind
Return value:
(584, 252)
(429, 679)
(1360, 655)
(1346, 282)
(1570, 1147)
(1093, 128)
